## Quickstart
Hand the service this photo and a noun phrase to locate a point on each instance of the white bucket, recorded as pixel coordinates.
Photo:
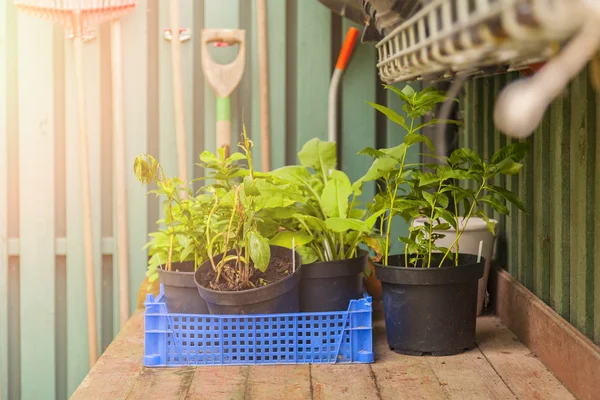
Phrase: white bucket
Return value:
(468, 243)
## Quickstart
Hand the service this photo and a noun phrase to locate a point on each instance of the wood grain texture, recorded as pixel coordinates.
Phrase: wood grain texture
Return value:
(219, 383)
(340, 381)
(495, 373)
(270, 382)
(36, 218)
(469, 376)
(395, 373)
(520, 369)
(4, 100)
(118, 368)
(571, 356)
(541, 222)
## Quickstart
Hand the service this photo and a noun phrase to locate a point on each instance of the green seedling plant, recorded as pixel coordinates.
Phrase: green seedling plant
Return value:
(244, 216)
(329, 225)
(460, 188)
(183, 219)
(390, 168)
(412, 194)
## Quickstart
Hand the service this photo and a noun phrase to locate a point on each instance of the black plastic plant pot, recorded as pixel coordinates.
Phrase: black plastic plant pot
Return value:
(278, 297)
(330, 285)
(430, 310)
(181, 294)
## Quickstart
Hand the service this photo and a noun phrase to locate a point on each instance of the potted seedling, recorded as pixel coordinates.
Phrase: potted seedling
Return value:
(430, 291)
(328, 229)
(175, 251)
(244, 274)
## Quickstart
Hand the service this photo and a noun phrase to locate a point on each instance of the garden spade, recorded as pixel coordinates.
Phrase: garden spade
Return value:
(223, 78)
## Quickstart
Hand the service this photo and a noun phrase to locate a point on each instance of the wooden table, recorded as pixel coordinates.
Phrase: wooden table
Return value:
(499, 368)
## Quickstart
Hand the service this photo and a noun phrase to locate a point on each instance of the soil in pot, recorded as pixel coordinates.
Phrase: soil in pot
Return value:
(430, 310)
(273, 292)
(330, 285)
(181, 294)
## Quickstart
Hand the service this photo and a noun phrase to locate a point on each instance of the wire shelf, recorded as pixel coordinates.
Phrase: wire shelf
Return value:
(474, 37)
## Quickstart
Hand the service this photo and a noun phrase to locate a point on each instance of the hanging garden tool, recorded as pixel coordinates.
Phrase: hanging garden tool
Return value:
(178, 100)
(77, 17)
(119, 158)
(340, 66)
(263, 83)
(223, 78)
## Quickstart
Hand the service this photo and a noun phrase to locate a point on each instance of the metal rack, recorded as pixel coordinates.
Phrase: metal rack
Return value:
(447, 38)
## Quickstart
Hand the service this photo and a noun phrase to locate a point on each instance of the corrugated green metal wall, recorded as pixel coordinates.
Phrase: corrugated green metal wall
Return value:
(43, 339)
(554, 250)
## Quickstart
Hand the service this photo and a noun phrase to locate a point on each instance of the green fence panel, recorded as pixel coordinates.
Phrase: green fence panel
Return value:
(553, 249)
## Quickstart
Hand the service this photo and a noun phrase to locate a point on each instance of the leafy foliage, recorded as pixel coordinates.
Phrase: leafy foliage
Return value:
(436, 194)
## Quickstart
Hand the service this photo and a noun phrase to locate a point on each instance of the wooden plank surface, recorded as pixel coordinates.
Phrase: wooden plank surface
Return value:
(270, 382)
(219, 383)
(118, 368)
(36, 218)
(572, 357)
(519, 368)
(395, 373)
(500, 368)
(469, 376)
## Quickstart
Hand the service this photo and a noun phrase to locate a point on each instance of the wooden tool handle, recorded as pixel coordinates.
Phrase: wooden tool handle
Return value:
(224, 136)
(86, 204)
(119, 171)
(223, 78)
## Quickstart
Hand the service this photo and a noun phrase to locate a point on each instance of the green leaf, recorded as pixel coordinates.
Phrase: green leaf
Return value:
(508, 196)
(338, 225)
(437, 121)
(237, 156)
(373, 218)
(447, 216)
(319, 155)
(370, 151)
(186, 252)
(183, 240)
(495, 204)
(379, 168)
(208, 157)
(413, 138)
(491, 225)
(274, 196)
(313, 223)
(463, 155)
(428, 178)
(292, 173)
(260, 253)
(145, 168)
(442, 227)
(284, 239)
(391, 114)
(442, 199)
(516, 151)
(408, 91)
(430, 198)
(510, 168)
(335, 195)
(308, 255)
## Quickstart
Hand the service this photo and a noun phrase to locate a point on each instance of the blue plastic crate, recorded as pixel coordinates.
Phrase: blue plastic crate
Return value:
(173, 340)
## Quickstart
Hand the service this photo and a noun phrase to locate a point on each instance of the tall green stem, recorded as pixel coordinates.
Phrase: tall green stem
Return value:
(460, 232)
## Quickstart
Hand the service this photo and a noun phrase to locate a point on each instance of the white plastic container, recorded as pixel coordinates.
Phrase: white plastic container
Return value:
(468, 243)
